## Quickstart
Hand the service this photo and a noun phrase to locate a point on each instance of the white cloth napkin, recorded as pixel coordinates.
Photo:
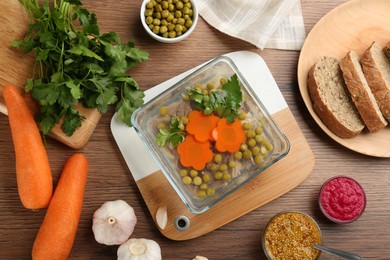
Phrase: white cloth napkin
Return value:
(276, 24)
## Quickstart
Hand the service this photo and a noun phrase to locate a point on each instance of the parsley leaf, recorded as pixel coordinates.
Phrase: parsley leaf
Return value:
(225, 102)
(174, 134)
(77, 64)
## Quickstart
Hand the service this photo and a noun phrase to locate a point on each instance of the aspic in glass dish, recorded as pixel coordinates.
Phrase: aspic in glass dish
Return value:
(205, 167)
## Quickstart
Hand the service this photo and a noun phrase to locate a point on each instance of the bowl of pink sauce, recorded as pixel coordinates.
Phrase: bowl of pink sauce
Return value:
(342, 199)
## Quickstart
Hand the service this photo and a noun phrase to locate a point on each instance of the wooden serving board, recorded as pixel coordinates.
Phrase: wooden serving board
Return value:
(170, 214)
(353, 25)
(16, 67)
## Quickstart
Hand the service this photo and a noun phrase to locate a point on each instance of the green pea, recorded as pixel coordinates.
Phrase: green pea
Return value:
(164, 5)
(164, 13)
(218, 158)
(258, 138)
(163, 111)
(258, 159)
(149, 5)
(178, 14)
(148, 13)
(156, 21)
(243, 147)
(210, 191)
(250, 133)
(218, 175)
(163, 29)
(194, 173)
(161, 125)
(172, 34)
(188, 23)
(259, 130)
(232, 164)
(223, 167)
(242, 115)
(251, 142)
(184, 120)
(255, 150)
(187, 180)
(238, 155)
(158, 8)
(204, 186)
(201, 194)
(206, 177)
(149, 20)
(197, 181)
(247, 154)
(226, 176)
(156, 29)
(179, 5)
(246, 126)
(214, 167)
(183, 172)
(178, 28)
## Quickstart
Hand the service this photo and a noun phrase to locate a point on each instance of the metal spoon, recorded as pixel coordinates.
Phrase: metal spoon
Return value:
(337, 252)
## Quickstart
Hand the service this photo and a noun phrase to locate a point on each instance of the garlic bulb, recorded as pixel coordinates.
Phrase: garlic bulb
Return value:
(139, 249)
(198, 257)
(113, 222)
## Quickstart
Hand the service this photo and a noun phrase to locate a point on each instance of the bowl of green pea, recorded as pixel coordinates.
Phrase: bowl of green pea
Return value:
(169, 21)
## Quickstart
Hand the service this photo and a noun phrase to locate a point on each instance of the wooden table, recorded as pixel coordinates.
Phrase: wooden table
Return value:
(110, 179)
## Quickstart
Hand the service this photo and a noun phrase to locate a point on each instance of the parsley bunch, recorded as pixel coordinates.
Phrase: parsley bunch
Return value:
(75, 63)
(223, 103)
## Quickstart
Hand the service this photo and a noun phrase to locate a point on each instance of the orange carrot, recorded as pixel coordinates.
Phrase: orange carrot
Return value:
(194, 154)
(228, 137)
(201, 125)
(33, 174)
(58, 230)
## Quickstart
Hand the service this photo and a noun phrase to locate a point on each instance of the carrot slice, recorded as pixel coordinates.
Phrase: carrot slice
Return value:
(201, 125)
(228, 137)
(194, 154)
(56, 235)
(33, 173)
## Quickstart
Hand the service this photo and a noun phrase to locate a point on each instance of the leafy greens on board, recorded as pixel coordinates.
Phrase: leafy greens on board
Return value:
(77, 64)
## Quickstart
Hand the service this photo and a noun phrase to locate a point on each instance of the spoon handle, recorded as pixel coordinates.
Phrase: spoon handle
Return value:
(337, 252)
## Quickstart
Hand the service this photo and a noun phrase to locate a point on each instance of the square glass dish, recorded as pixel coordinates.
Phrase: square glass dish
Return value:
(224, 172)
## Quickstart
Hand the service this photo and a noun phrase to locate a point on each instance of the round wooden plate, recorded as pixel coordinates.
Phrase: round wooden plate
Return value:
(353, 25)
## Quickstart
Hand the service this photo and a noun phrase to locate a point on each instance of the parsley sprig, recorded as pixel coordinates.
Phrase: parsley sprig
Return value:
(224, 103)
(77, 64)
(174, 134)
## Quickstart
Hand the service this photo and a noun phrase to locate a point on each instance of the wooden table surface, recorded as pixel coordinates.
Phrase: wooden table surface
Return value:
(110, 179)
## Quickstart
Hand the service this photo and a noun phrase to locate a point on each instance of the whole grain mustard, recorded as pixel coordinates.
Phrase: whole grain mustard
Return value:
(290, 235)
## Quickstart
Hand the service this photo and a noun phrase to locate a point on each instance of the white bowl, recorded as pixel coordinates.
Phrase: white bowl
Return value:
(175, 39)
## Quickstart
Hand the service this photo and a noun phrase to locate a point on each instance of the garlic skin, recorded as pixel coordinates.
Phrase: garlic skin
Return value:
(113, 222)
(139, 249)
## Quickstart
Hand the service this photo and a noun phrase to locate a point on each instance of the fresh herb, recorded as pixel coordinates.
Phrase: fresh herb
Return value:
(75, 63)
(224, 103)
(174, 134)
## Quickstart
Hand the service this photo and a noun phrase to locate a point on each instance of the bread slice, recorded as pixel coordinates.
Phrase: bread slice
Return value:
(361, 93)
(376, 68)
(331, 99)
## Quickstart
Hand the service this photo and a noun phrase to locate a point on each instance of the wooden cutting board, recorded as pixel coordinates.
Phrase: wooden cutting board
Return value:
(16, 67)
(170, 214)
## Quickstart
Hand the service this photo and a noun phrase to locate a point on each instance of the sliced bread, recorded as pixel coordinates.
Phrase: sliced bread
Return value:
(376, 68)
(331, 98)
(361, 93)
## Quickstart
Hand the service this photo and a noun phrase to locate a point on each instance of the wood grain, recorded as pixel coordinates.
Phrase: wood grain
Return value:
(362, 23)
(109, 178)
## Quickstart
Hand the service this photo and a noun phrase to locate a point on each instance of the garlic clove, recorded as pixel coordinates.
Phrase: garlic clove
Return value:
(113, 222)
(198, 257)
(139, 249)
(162, 217)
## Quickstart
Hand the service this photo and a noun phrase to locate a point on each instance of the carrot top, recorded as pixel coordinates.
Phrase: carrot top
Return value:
(194, 154)
(228, 137)
(201, 125)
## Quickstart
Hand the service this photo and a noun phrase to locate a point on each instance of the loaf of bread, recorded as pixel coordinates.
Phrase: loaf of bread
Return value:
(331, 99)
(376, 68)
(361, 93)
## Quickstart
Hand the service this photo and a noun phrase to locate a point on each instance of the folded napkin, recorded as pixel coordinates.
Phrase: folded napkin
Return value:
(276, 24)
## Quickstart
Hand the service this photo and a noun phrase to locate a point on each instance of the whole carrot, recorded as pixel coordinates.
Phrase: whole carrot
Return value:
(58, 230)
(33, 174)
